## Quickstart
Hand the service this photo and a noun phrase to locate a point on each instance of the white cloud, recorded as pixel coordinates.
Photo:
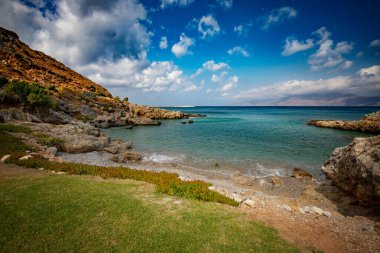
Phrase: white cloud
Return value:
(212, 66)
(238, 51)
(163, 42)
(230, 84)
(218, 78)
(293, 46)
(208, 91)
(375, 43)
(112, 27)
(278, 16)
(208, 26)
(365, 83)
(181, 48)
(328, 55)
(155, 76)
(243, 29)
(180, 3)
(371, 71)
(225, 4)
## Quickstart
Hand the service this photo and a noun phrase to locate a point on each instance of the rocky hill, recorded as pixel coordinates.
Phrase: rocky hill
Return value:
(76, 96)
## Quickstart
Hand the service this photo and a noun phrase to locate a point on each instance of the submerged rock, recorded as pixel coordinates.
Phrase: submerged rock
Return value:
(355, 168)
(300, 173)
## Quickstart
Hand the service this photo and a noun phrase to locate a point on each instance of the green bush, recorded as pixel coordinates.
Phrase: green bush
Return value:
(117, 99)
(52, 88)
(33, 95)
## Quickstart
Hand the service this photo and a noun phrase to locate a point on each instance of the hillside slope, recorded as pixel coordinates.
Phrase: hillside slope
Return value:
(76, 96)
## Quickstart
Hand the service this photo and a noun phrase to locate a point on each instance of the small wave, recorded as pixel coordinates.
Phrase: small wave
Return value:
(157, 158)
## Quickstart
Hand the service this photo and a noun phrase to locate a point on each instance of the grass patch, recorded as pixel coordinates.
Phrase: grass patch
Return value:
(10, 144)
(14, 128)
(73, 214)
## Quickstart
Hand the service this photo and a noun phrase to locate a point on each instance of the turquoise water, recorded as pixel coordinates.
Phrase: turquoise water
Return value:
(257, 141)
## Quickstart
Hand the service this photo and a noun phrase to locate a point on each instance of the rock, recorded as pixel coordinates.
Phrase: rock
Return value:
(308, 209)
(369, 123)
(52, 150)
(301, 210)
(129, 156)
(25, 157)
(287, 208)
(236, 197)
(212, 188)
(326, 213)
(41, 169)
(143, 122)
(53, 171)
(276, 181)
(263, 182)
(300, 173)
(128, 127)
(355, 168)
(117, 146)
(190, 122)
(4, 158)
(61, 173)
(76, 144)
(250, 203)
(112, 149)
(184, 122)
(317, 210)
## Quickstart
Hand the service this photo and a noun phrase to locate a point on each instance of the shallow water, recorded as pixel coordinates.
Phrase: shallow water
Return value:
(257, 141)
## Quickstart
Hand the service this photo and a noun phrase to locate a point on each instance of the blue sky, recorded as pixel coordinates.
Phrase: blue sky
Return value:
(217, 52)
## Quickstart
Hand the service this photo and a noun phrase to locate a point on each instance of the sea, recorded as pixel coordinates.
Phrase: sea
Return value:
(256, 141)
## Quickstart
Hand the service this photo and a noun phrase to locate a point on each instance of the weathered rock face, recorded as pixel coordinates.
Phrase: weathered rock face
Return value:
(369, 123)
(355, 168)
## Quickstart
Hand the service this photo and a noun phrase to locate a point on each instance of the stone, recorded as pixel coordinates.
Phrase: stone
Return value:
(276, 181)
(25, 157)
(61, 173)
(236, 197)
(377, 227)
(41, 169)
(301, 210)
(300, 173)
(190, 122)
(287, 208)
(327, 214)
(308, 209)
(129, 156)
(249, 202)
(355, 169)
(128, 127)
(318, 210)
(52, 150)
(4, 158)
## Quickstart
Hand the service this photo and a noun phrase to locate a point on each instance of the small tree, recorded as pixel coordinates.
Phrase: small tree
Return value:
(125, 99)
(117, 99)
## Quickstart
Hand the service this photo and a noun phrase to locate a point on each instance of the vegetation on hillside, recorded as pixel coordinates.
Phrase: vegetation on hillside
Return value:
(31, 95)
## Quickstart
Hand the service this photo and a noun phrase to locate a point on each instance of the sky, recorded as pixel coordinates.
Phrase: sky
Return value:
(216, 52)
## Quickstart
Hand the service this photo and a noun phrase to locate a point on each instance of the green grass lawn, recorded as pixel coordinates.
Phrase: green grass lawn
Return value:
(43, 212)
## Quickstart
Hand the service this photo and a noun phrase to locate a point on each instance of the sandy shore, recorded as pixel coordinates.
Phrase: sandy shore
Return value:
(289, 204)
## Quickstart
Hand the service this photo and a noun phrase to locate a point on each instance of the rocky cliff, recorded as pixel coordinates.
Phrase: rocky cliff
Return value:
(370, 123)
(77, 97)
(355, 168)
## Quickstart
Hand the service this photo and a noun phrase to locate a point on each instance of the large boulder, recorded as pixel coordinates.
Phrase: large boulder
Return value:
(355, 168)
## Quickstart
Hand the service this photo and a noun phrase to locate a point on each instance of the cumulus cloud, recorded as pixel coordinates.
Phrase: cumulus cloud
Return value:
(365, 83)
(208, 26)
(243, 29)
(225, 4)
(104, 40)
(113, 27)
(230, 84)
(219, 78)
(375, 43)
(181, 48)
(277, 16)
(163, 42)
(179, 3)
(293, 46)
(238, 51)
(212, 66)
(329, 55)
(157, 76)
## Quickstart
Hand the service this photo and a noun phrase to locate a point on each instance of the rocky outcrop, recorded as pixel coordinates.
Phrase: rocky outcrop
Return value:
(355, 168)
(370, 123)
